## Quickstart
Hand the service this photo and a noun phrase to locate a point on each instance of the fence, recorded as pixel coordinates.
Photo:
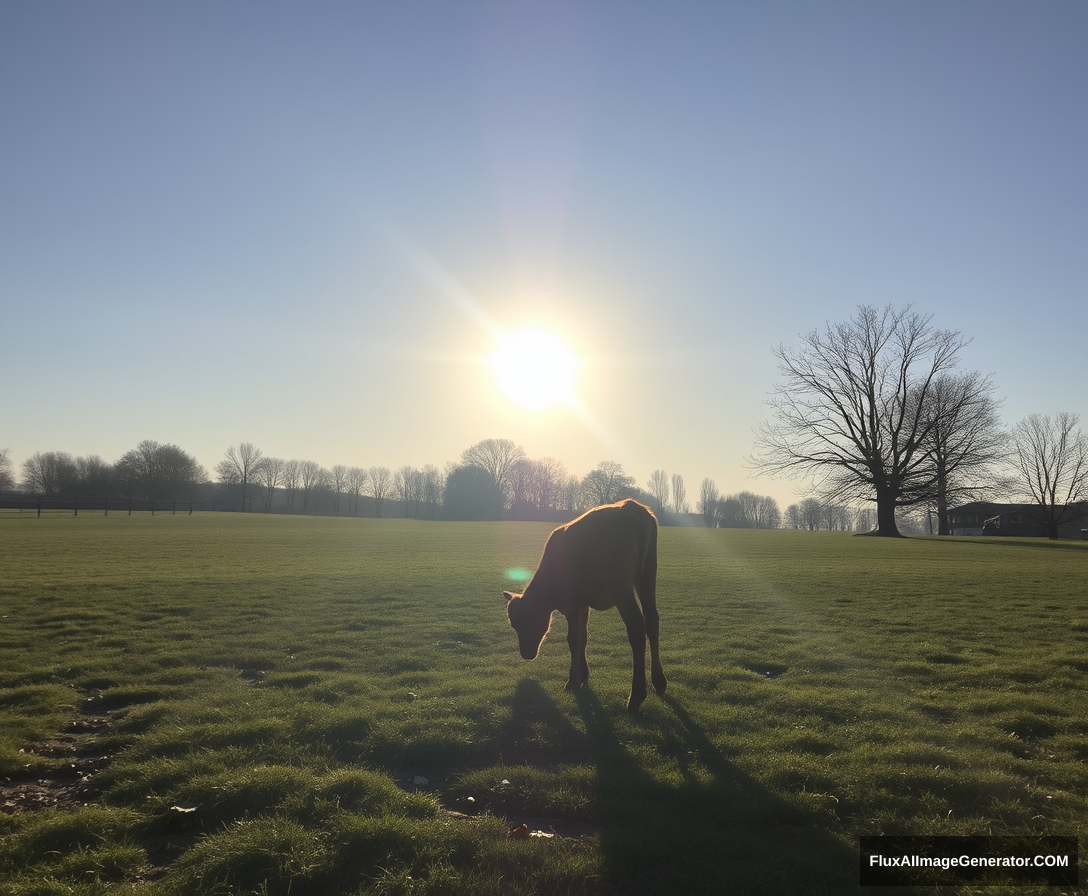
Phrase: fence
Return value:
(39, 504)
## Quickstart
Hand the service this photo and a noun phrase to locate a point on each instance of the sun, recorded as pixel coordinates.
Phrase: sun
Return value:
(534, 368)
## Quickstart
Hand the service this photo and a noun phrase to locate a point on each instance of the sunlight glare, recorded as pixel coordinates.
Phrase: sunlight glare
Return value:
(534, 368)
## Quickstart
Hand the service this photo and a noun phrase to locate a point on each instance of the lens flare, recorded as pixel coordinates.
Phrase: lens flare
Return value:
(518, 576)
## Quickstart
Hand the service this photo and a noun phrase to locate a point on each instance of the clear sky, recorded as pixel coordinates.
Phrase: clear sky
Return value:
(302, 225)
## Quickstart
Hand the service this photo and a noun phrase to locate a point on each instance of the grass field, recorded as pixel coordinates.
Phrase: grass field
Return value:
(279, 705)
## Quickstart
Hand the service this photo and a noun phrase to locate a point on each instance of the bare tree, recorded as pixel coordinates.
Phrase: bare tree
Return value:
(339, 474)
(729, 514)
(7, 471)
(606, 483)
(747, 510)
(356, 484)
(679, 494)
(433, 484)
(550, 474)
(311, 479)
(292, 478)
(659, 486)
(1051, 455)
(793, 517)
(708, 502)
(761, 511)
(522, 474)
(158, 472)
(812, 514)
(837, 517)
(50, 472)
(570, 495)
(499, 457)
(408, 489)
(381, 481)
(270, 473)
(864, 518)
(94, 477)
(238, 467)
(965, 440)
(851, 413)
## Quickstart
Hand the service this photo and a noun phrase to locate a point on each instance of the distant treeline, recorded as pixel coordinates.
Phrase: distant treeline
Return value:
(493, 479)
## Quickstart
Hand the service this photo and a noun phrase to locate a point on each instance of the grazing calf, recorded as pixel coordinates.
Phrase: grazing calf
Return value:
(598, 561)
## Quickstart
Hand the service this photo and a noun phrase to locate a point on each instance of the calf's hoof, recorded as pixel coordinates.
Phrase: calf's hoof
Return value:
(635, 701)
(572, 685)
(660, 683)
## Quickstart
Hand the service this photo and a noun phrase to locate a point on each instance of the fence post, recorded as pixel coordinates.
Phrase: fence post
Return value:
(75, 504)
(39, 506)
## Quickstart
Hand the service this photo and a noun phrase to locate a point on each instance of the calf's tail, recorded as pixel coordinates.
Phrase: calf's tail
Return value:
(646, 573)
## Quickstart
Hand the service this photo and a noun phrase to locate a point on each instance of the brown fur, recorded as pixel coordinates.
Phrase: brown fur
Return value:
(598, 561)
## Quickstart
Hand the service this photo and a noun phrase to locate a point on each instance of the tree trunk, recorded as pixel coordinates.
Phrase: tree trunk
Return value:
(1051, 524)
(942, 505)
(885, 514)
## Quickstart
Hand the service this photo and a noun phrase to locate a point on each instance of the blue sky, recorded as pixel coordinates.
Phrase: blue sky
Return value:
(299, 224)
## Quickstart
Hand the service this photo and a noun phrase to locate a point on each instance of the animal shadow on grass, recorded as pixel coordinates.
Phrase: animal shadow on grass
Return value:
(538, 733)
(703, 826)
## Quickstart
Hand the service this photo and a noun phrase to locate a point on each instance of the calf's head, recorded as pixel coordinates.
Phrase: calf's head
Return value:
(530, 624)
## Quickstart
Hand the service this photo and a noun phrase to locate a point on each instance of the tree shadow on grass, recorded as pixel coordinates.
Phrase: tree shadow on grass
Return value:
(689, 821)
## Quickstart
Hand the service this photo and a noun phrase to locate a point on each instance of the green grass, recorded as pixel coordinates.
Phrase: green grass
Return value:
(285, 678)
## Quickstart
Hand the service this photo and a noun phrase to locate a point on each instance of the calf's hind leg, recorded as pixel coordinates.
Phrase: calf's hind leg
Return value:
(636, 634)
(647, 595)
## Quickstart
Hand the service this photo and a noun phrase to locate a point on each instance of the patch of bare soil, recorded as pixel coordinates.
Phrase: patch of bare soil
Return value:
(75, 760)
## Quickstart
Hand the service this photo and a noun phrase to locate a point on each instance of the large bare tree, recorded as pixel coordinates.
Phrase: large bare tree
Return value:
(1051, 455)
(850, 414)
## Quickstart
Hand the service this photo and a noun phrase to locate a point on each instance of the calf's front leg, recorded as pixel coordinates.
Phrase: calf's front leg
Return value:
(577, 635)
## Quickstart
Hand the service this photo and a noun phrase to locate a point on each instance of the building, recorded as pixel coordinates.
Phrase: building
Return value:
(1021, 520)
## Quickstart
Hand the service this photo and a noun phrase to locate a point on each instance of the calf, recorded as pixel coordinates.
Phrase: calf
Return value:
(598, 561)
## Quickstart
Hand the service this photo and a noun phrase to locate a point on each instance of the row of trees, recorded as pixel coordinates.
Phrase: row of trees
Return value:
(149, 471)
(492, 477)
(874, 409)
(744, 510)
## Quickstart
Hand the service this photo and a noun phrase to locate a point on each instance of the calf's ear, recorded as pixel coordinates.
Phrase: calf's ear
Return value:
(509, 597)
